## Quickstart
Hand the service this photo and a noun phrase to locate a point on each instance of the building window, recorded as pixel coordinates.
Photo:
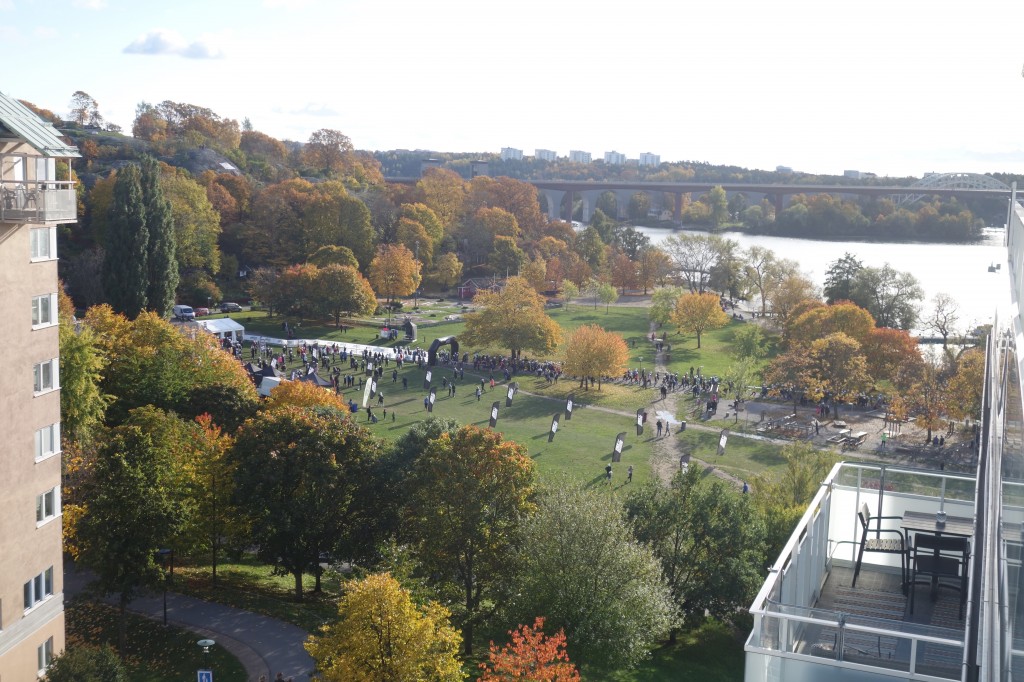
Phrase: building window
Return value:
(47, 506)
(44, 310)
(45, 376)
(44, 243)
(47, 441)
(45, 655)
(39, 588)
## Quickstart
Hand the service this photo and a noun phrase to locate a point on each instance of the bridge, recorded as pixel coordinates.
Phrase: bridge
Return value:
(960, 185)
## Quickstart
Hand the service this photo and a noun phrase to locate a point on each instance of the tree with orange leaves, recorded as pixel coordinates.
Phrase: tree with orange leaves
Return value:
(591, 351)
(697, 313)
(303, 394)
(531, 656)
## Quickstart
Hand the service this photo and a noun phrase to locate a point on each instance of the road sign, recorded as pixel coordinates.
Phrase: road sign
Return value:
(204, 676)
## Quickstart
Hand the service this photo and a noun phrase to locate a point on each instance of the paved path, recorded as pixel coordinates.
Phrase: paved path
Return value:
(264, 645)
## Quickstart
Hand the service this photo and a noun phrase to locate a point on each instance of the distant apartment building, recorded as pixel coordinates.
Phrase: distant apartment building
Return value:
(648, 159)
(614, 158)
(576, 156)
(511, 154)
(545, 155)
(783, 169)
(853, 174)
(33, 202)
(427, 164)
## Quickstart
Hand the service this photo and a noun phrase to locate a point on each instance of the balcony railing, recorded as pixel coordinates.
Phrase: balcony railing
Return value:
(38, 202)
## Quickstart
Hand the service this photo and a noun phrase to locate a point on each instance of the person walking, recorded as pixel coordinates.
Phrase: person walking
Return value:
(884, 437)
(608, 473)
(629, 474)
(659, 428)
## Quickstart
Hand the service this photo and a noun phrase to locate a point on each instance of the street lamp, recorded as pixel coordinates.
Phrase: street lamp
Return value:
(166, 556)
(206, 675)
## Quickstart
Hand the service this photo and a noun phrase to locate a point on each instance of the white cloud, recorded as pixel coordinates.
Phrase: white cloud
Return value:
(163, 41)
(89, 4)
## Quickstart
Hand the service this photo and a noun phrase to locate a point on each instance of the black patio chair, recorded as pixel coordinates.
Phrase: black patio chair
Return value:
(943, 560)
(874, 538)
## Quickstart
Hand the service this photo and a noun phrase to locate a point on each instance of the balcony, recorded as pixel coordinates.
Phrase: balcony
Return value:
(38, 202)
(811, 624)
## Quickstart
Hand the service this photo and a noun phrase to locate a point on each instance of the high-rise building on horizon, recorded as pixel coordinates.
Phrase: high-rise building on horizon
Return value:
(33, 201)
(511, 154)
(614, 158)
(648, 159)
(577, 156)
(545, 154)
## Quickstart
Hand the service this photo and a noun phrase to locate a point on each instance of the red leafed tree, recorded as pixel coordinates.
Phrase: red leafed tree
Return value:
(531, 656)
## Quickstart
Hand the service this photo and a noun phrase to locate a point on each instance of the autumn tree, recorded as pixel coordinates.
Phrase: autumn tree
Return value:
(444, 192)
(697, 313)
(513, 319)
(663, 304)
(694, 256)
(332, 254)
(472, 492)
(448, 270)
(328, 150)
(590, 351)
(530, 656)
(125, 266)
(764, 272)
(85, 110)
(381, 635)
(653, 267)
(892, 355)
(834, 365)
(302, 394)
(929, 398)
(890, 295)
(569, 292)
(344, 291)
(624, 272)
(844, 316)
(301, 479)
(414, 237)
(535, 272)
(394, 272)
(966, 386)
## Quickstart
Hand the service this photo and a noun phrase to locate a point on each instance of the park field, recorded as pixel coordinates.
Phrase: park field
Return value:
(583, 445)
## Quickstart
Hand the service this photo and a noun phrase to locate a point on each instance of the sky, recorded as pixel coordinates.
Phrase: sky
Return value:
(893, 87)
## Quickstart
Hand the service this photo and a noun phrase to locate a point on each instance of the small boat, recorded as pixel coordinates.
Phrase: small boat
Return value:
(992, 268)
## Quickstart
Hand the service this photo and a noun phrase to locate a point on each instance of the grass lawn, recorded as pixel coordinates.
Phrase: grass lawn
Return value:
(252, 586)
(154, 653)
(744, 458)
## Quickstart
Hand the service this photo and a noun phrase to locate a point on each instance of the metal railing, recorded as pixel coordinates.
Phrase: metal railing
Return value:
(38, 202)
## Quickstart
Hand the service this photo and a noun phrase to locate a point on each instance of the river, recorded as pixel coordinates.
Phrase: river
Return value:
(960, 270)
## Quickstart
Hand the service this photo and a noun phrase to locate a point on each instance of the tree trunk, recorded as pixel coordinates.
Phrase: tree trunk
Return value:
(319, 572)
(672, 635)
(698, 339)
(298, 585)
(122, 626)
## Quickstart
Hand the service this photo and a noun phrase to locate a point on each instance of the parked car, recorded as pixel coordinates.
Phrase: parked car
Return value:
(201, 311)
(230, 308)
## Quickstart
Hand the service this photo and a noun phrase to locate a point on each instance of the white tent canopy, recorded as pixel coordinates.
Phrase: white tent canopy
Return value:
(223, 328)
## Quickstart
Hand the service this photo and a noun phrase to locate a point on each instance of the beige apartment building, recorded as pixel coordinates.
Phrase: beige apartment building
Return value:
(32, 203)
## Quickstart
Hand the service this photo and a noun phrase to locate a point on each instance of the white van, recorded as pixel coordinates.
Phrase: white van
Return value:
(183, 313)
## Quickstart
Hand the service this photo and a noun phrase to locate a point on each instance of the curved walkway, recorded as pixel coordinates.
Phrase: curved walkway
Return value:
(264, 645)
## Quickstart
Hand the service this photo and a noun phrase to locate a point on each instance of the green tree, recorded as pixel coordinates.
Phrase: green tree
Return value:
(513, 319)
(196, 224)
(749, 342)
(606, 294)
(448, 270)
(162, 248)
(663, 304)
(891, 296)
(85, 663)
(719, 205)
(82, 403)
(131, 512)
(506, 258)
(582, 569)
(708, 540)
(381, 635)
(301, 479)
(840, 278)
(472, 491)
(590, 247)
(569, 292)
(125, 264)
(333, 255)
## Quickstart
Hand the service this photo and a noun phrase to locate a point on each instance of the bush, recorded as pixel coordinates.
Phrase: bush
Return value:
(87, 664)
(396, 305)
